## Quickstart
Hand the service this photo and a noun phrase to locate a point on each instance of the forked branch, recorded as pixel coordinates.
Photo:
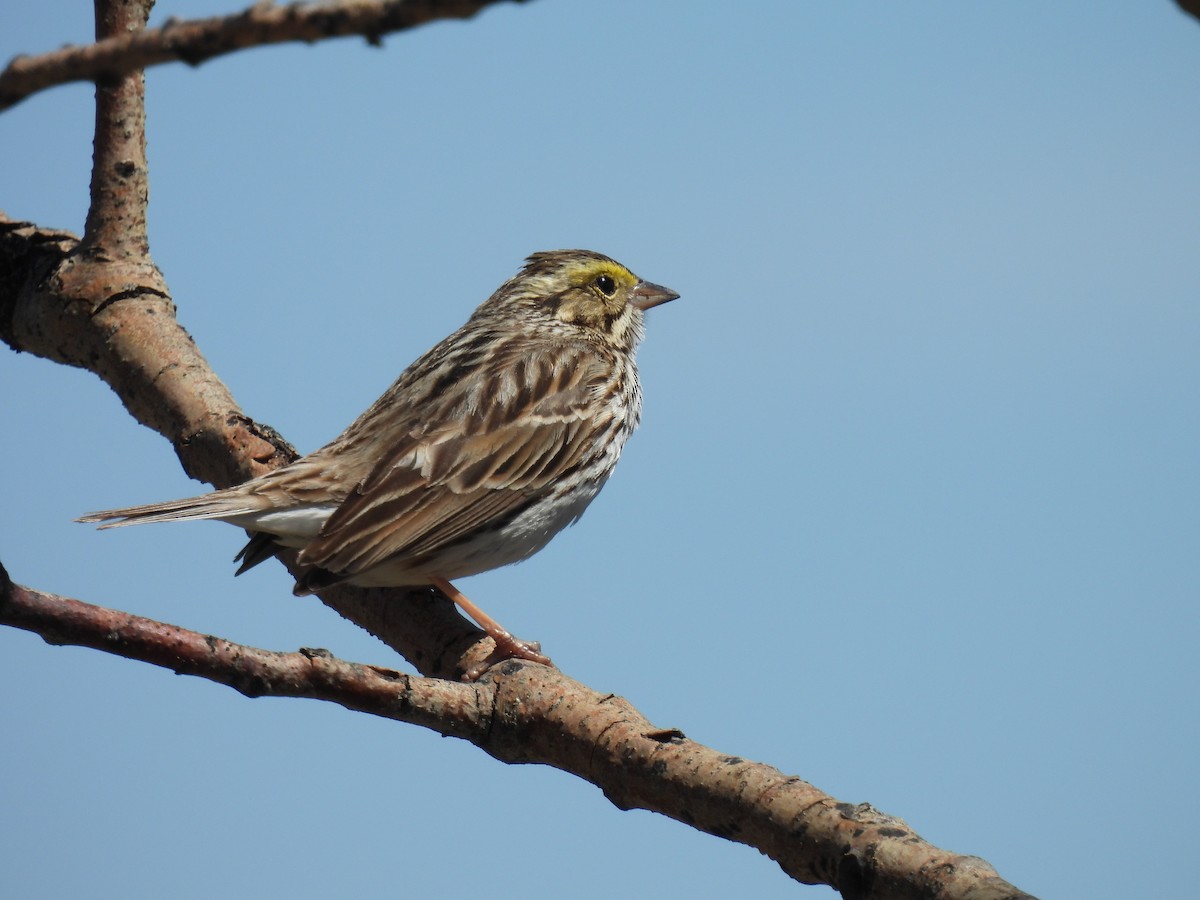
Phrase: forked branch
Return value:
(100, 303)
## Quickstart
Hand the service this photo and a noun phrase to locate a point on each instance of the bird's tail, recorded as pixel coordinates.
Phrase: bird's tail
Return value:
(218, 505)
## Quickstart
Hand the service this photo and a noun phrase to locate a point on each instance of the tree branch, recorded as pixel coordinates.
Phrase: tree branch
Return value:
(195, 42)
(531, 714)
(99, 303)
(448, 707)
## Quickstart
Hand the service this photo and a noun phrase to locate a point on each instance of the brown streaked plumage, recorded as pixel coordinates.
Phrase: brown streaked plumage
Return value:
(480, 452)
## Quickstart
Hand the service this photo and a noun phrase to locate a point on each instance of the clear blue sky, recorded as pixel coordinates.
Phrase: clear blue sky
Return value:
(914, 512)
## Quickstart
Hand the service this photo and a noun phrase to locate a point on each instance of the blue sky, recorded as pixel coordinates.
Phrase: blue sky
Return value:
(913, 514)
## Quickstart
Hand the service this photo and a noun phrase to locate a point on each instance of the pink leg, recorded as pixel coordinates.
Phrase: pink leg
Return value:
(507, 646)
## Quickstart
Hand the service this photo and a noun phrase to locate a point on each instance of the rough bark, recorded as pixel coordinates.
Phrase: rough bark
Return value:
(524, 713)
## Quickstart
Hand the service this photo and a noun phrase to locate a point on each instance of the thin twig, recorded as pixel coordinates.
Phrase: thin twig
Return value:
(194, 42)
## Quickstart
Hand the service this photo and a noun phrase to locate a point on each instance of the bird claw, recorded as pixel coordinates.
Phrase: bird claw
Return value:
(508, 647)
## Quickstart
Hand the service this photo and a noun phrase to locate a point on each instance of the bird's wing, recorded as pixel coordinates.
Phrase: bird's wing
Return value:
(495, 450)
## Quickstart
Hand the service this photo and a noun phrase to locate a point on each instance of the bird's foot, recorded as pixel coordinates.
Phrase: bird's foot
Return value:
(507, 647)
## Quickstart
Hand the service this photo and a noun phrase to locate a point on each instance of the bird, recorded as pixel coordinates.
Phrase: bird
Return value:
(479, 453)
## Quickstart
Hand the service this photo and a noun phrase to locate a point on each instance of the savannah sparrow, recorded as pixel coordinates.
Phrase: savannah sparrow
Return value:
(480, 452)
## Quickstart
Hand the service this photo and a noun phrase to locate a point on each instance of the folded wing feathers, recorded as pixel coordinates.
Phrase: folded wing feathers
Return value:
(455, 482)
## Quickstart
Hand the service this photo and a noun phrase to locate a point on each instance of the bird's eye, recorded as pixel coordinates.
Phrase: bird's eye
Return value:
(606, 284)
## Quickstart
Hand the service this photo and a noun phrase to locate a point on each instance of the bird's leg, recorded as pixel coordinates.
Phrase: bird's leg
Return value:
(507, 645)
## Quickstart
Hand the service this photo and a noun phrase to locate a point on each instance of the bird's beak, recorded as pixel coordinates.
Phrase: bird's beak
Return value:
(646, 295)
